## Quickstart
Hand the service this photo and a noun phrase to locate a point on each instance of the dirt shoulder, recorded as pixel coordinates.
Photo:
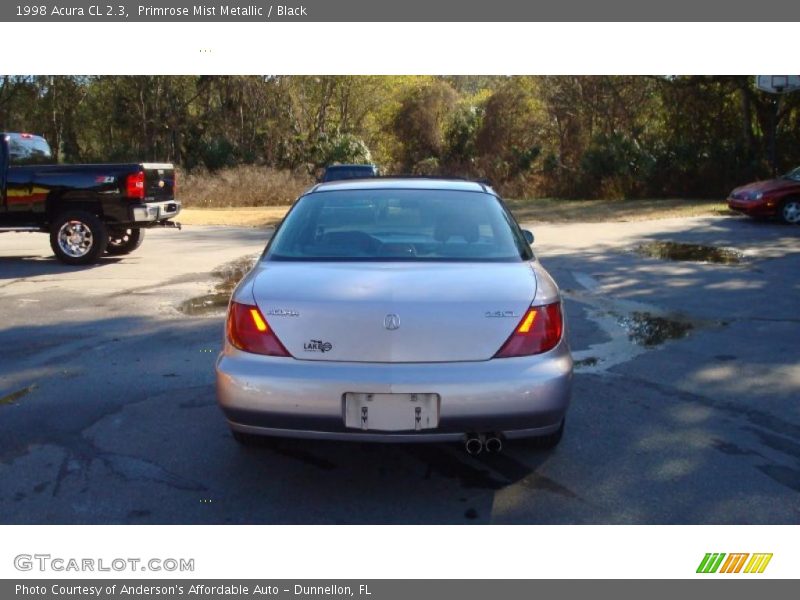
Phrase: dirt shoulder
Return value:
(545, 210)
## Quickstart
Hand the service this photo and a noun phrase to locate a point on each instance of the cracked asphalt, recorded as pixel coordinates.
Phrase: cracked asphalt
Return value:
(686, 405)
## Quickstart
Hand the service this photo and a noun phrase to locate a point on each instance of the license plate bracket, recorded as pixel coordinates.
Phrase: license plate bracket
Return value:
(391, 412)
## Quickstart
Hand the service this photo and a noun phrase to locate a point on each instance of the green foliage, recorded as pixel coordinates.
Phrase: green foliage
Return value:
(616, 160)
(341, 148)
(428, 166)
(219, 153)
(420, 120)
(460, 134)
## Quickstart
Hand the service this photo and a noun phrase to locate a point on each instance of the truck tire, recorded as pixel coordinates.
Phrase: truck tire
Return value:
(124, 241)
(78, 237)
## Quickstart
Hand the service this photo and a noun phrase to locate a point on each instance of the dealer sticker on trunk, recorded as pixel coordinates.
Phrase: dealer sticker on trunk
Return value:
(317, 346)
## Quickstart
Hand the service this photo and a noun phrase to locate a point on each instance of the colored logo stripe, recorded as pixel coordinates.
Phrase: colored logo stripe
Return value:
(733, 564)
(710, 562)
(758, 563)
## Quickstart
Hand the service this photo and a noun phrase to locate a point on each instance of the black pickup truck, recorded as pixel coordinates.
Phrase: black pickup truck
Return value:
(86, 209)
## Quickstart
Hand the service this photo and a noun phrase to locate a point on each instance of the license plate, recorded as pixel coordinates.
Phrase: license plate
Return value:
(391, 412)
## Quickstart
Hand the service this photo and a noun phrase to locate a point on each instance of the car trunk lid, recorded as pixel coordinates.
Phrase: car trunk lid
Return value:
(393, 311)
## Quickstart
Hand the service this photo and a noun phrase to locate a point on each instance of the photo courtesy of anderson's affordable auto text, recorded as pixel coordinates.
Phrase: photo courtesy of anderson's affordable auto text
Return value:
(348, 300)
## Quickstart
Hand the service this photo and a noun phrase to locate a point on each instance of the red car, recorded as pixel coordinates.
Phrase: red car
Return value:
(772, 198)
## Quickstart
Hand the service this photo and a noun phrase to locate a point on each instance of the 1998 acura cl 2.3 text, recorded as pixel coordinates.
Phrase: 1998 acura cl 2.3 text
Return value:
(397, 310)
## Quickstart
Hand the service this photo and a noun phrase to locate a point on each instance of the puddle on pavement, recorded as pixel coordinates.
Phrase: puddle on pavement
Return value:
(689, 252)
(204, 305)
(631, 328)
(650, 330)
(14, 396)
(589, 361)
(216, 301)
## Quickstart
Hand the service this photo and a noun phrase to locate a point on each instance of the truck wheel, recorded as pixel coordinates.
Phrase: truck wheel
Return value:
(124, 241)
(78, 237)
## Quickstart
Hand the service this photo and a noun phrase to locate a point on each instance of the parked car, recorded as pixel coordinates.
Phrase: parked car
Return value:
(772, 198)
(86, 209)
(338, 172)
(410, 310)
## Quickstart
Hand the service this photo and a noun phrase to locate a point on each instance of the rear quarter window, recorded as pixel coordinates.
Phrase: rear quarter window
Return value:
(24, 150)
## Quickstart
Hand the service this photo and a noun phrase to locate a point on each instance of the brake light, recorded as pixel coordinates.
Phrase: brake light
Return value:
(134, 185)
(248, 330)
(539, 330)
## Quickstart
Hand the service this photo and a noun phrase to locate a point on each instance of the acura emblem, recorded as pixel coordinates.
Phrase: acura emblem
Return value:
(391, 322)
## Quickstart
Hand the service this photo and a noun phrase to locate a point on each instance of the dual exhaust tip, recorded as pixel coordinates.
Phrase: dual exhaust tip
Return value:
(474, 443)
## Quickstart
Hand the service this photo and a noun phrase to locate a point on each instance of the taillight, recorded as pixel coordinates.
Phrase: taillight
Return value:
(134, 185)
(539, 330)
(248, 330)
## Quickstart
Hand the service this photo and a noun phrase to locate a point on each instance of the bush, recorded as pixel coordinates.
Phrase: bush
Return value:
(460, 136)
(419, 124)
(218, 154)
(615, 166)
(345, 148)
(508, 140)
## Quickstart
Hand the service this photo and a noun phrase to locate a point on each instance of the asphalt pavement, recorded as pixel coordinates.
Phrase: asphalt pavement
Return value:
(686, 404)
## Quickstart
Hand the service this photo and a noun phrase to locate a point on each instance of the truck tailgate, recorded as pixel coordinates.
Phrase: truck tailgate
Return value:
(159, 181)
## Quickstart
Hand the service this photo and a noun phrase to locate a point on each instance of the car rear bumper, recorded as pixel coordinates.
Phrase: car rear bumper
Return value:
(148, 213)
(513, 397)
(753, 208)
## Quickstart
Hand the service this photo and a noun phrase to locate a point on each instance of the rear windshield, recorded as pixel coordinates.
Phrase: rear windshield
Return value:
(399, 225)
(27, 149)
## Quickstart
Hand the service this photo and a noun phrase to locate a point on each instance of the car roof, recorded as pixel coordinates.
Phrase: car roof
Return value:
(401, 183)
(21, 134)
(350, 166)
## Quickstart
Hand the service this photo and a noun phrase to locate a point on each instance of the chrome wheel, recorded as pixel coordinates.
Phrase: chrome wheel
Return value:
(791, 211)
(75, 239)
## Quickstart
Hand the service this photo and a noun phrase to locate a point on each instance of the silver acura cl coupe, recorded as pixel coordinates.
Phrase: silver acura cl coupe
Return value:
(398, 310)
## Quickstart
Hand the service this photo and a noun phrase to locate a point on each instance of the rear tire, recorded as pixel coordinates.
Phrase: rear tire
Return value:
(790, 211)
(78, 237)
(549, 441)
(124, 241)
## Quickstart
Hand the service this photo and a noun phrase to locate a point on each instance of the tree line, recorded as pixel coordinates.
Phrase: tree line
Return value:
(560, 136)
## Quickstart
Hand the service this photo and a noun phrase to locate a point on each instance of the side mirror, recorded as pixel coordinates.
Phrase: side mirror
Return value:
(528, 236)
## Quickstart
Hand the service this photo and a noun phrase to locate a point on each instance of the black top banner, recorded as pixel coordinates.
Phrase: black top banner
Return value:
(405, 10)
